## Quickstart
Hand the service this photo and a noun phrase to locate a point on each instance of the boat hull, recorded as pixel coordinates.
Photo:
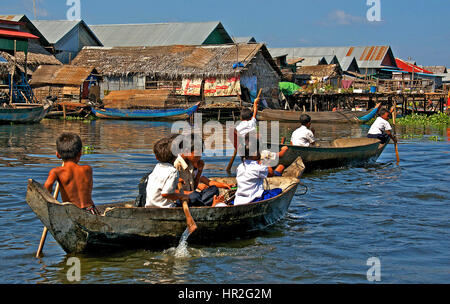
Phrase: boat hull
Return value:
(23, 113)
(316, 117)
(161, 114)
(341, 152)
(125, 226)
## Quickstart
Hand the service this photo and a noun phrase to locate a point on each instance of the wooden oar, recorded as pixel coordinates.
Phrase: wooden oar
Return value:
(44, 232)
(190, 222)
(230, 163)
(394, 115)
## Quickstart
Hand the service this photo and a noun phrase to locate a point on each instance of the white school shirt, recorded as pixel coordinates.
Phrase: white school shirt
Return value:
(250, 177)
(246, 126)
(380, 126)
(302, 137)
(163, 180)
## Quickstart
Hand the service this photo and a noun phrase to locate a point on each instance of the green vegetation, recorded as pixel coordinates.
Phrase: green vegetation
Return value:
(423, 137)
(435, 120)
(88, 149)
(84, 119)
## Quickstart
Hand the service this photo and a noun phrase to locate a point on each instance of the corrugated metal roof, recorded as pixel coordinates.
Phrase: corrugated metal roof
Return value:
(313, 60)
(366, 56)
(54, 30)
(244, 39)
(156, 34)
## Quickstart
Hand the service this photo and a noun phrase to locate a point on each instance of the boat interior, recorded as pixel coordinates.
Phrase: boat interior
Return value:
(347, 142)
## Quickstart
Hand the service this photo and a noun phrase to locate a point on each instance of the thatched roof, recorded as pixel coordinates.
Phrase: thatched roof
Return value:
(37, 56)
(320, 71)
(61, 75)
(173, 62)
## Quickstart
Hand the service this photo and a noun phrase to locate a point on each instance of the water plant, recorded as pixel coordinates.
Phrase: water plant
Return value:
(437, 120)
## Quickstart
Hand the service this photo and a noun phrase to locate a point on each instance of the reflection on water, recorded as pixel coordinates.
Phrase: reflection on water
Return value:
(397, 213)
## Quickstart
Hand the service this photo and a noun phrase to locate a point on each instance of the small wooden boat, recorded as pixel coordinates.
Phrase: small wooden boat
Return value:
(145, 114)
(318, 117)
(24, 113)
(337, 153)
(124, 226)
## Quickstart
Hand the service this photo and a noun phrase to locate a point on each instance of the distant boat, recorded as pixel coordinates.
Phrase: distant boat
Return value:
(318, 117)
(145, 114)
(337, 153)
(24, 113)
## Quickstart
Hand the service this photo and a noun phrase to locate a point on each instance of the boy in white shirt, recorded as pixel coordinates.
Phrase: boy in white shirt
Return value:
(162, 183)
(304, 136)
(248, 120)
(250, 177)
(381, 129)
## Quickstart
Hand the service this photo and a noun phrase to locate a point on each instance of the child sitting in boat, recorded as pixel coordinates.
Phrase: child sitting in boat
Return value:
(250, 176)
(75, 181)
(381, 129)
(304, 136)
(201, 190)
(162, 183)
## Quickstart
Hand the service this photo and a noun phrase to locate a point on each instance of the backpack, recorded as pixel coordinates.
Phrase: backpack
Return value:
(142, 196)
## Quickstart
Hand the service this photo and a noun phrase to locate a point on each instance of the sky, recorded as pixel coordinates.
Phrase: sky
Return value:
(416, 29)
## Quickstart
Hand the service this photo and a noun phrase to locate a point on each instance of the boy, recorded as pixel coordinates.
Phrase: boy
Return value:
(304, 136)
(190, 167)
(163, 181)
(75, 181)
(247, 124)
(381, 129)
(250, 177)
(248, 120)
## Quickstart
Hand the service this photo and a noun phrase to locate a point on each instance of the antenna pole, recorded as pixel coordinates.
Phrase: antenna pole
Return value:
(34, 9)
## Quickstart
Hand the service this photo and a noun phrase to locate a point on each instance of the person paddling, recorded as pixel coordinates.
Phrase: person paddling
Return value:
(381, 129)
(75, 180)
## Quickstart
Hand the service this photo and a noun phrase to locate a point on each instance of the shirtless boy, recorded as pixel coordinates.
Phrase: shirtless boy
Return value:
(75, 181)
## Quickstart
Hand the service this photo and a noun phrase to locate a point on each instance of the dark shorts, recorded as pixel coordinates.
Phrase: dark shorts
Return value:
(382, 137)
(201, 199)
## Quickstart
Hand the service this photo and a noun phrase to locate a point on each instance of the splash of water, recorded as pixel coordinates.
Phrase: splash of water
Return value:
(182, 250)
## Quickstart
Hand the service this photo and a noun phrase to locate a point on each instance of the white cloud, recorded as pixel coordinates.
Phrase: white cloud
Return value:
(340, 17)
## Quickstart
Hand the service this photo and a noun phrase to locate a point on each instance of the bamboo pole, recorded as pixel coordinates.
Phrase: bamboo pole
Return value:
(44, 232)
(12, 75)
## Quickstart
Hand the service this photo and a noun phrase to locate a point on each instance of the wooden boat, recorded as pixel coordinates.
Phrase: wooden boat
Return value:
(146, 114)
(124, 226)
(337, 153)
(24, 113)
(317, 117)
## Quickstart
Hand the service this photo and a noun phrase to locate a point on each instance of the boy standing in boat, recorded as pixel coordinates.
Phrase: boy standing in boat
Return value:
(304, 136)
(381, 129)
(75, 181)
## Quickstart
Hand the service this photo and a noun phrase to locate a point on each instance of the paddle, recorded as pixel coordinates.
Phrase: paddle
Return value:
(44, 232)
(394, 115)
(230, 163)
(191, 225)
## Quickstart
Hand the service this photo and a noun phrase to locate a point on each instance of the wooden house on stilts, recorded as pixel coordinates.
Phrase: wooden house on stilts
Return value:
(222, 76)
